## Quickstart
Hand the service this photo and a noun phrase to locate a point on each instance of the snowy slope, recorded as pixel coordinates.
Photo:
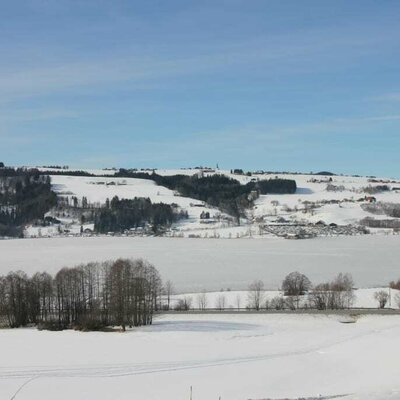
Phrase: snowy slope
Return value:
(314, 192)
(98, 189)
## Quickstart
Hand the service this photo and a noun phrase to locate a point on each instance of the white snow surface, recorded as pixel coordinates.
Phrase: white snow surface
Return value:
(212, 264)
(234, 357)
(347, 212)
(98, 189)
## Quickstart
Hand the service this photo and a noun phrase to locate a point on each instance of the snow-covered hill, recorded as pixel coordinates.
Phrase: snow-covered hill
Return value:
(319, 199)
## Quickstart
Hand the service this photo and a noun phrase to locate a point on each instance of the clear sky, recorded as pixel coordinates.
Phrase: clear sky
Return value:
(276, 85)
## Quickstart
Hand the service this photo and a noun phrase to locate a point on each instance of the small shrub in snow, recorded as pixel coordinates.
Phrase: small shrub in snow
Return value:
(277, 303)
(184, 304)
(381, 297)
(334, 188)
(87, 324)
(51, 325)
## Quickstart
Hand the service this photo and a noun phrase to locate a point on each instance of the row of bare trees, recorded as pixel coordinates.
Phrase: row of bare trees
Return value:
(335, 294)
(300, 293)
(297, 292)
(122, 293)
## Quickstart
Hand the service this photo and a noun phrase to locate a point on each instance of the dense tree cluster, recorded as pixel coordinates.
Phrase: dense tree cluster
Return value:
(371, 222)
(375, 189)
(25, 196)
(395, 284)
(120, 215)
(380, 208)
(275, 186)
(56, 166)
(217, 190)
(91, 296)
(337, 294)
(70, 173)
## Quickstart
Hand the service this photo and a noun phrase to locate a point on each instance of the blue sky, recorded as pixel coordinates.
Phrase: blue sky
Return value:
(275, 85)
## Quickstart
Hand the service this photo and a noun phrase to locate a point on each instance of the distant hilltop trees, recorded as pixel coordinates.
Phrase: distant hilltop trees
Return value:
(325, 173)
(25, 196)
(56, 166)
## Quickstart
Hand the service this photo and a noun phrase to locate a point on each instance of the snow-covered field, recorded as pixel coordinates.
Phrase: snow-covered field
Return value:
(230, 357)
(212, 264)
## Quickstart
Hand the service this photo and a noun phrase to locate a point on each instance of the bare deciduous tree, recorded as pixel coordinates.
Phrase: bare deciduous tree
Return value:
(296, 284)
(220, 302)
(255, 295)
(238, 301)
(337, 294)
(202, 300)
(169, 291)
(184, 304)
(381, 297)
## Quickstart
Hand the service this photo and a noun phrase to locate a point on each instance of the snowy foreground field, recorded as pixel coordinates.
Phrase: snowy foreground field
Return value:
(213, 264)
(232, 356)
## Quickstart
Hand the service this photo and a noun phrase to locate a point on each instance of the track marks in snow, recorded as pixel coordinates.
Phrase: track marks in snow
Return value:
(128, 369)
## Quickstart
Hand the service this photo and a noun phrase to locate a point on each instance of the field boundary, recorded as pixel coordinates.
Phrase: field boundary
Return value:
(350, 311)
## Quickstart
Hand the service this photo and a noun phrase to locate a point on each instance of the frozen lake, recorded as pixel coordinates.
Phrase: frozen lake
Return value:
(212, 264)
